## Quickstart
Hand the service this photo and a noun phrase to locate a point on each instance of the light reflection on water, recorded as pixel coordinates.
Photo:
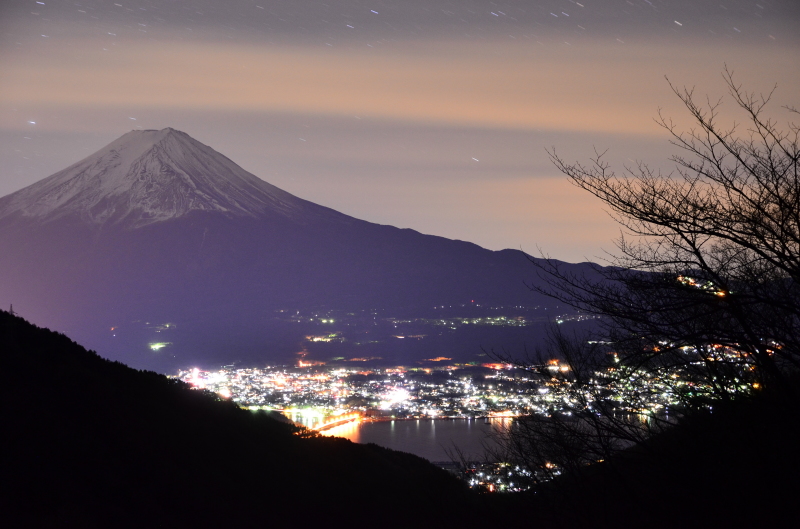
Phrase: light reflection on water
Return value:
(424, 437)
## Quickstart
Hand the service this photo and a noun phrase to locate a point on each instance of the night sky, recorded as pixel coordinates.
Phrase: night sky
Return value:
(425, 114)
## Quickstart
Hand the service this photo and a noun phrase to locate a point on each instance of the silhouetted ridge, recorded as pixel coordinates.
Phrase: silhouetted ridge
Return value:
(93, 443)
(733, 466)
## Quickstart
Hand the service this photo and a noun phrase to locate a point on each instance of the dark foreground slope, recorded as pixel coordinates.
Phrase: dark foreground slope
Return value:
(737, 465)
(92, 443)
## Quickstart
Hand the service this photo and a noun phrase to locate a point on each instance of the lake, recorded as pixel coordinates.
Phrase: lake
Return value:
(427, 438)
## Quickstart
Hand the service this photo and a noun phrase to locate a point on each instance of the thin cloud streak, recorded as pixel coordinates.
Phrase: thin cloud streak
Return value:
(432, 116)
(486, 84)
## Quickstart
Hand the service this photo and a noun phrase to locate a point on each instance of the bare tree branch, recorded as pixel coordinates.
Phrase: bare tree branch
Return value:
(702, 299)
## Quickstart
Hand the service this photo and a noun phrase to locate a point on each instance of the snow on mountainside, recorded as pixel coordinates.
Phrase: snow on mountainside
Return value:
(148, 176)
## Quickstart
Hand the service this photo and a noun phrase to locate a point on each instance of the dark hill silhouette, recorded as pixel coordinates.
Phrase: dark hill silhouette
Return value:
(733, 466)
(89, 442)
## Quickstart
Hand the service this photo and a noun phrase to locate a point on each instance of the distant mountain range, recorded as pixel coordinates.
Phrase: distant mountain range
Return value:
(157, 228)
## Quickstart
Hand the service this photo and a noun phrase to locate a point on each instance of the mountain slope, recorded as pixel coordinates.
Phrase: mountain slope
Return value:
(93, 443)
(745, 448)
(157, 228)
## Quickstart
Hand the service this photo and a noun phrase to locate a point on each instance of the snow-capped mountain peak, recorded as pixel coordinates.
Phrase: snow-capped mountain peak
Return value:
(147, 176)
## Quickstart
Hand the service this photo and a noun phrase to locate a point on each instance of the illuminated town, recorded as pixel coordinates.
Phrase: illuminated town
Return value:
(320, 397)
(317, 395)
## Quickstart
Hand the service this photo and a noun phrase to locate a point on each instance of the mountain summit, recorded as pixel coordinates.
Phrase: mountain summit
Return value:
(149, 176)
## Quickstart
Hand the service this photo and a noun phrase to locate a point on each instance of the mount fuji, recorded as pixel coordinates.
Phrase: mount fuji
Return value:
(157, 229)
(152, 176)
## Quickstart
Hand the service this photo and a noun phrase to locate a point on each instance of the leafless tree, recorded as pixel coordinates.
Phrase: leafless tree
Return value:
(701, 302)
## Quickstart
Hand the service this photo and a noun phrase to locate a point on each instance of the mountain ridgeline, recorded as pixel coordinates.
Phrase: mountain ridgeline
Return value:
(157, 227)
